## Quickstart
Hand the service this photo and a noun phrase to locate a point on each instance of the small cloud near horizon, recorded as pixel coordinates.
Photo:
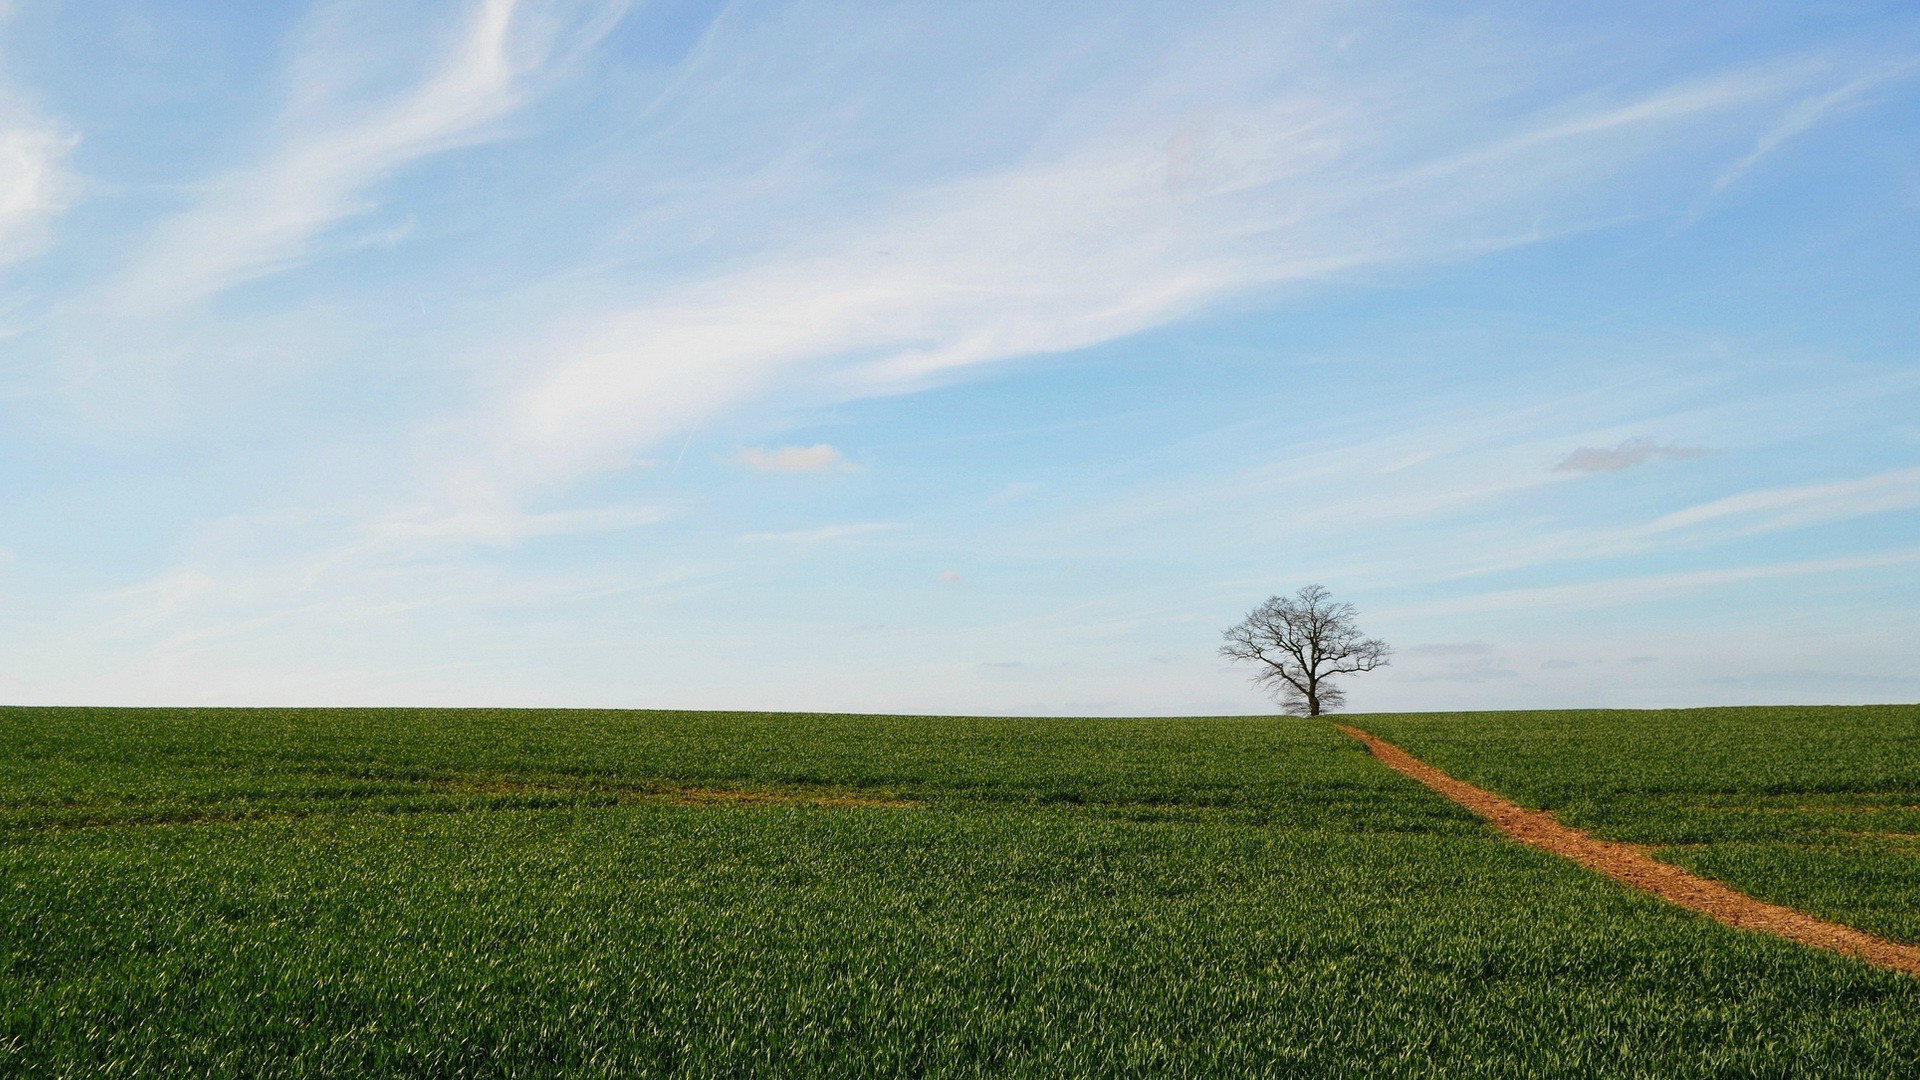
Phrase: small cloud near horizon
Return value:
(1449, 648)
(1014, 492)
(793, 458)
(1455, 661)
(822, 534)
(1594, 459)
(948, 577)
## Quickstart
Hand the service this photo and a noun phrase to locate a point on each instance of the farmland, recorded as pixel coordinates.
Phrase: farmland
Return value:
(474, 892)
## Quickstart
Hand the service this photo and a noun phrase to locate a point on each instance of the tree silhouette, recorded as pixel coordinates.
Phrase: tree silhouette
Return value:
(1301, 642)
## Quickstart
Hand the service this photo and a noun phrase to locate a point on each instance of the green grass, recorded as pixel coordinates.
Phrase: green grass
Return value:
(1818, 808)
(261, 893)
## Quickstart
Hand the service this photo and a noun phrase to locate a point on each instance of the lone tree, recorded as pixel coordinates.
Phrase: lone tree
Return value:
(1301, 642)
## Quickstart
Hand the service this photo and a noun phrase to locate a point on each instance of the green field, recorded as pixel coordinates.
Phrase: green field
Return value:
(379, 892)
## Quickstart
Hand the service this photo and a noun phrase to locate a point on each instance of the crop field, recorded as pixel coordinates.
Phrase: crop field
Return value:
(477, 893)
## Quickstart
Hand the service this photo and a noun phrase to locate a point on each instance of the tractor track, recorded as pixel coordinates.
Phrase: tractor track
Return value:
(1630, 865)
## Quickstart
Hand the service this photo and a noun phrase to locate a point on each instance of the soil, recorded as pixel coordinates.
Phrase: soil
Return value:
(1629, 864)
(694, 796)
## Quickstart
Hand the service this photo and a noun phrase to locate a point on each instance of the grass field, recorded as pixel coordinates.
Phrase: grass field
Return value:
(280, 892)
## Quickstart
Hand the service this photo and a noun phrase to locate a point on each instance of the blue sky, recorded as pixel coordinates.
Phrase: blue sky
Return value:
(955, 357)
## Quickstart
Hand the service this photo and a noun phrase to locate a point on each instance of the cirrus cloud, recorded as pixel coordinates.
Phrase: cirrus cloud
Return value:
(34, 184)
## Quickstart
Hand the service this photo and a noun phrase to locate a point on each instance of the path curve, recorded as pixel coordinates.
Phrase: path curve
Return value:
(1629, 864)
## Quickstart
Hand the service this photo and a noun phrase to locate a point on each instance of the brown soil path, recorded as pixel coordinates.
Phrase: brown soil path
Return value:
(1629, 864)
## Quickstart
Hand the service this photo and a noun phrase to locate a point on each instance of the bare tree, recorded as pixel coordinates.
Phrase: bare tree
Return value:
(1301, 642)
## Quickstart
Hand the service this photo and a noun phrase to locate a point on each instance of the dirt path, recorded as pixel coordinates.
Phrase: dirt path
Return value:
(1629, 864)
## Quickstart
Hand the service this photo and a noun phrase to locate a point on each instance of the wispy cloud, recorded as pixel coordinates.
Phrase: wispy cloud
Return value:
(824, 534)
(1751, 513)
(1591, 459)
(1809, 112)
(403, 565)
(814, 458)
(1638, 589)
(1464, 662)
(330, 147)
(1801, 505)
(34, 182)
(501, 525)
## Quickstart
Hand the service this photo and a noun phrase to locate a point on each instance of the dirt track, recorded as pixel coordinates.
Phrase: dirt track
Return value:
(1629, 864)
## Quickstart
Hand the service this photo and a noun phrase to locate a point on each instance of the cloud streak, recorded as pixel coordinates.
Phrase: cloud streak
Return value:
(1801, 505)
(824, 534)
(1751, 513)
(329, 149)
(1644, 588)
(34, 182)
(1809, 113)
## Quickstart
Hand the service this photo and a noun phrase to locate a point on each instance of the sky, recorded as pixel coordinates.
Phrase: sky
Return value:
(955, 358)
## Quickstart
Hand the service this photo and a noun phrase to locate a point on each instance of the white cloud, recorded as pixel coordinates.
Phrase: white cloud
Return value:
(1632, 590)
(331, 147)
(1462, 662)
(1845, 679)
(1808, 113)
(1750, 513)
(1447, 650)
(1795, 507)
(1015, 492)
(823, 534)
(34, 182)
(501, 525)
(793, 458)
(1590, 459)
(248, 572)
